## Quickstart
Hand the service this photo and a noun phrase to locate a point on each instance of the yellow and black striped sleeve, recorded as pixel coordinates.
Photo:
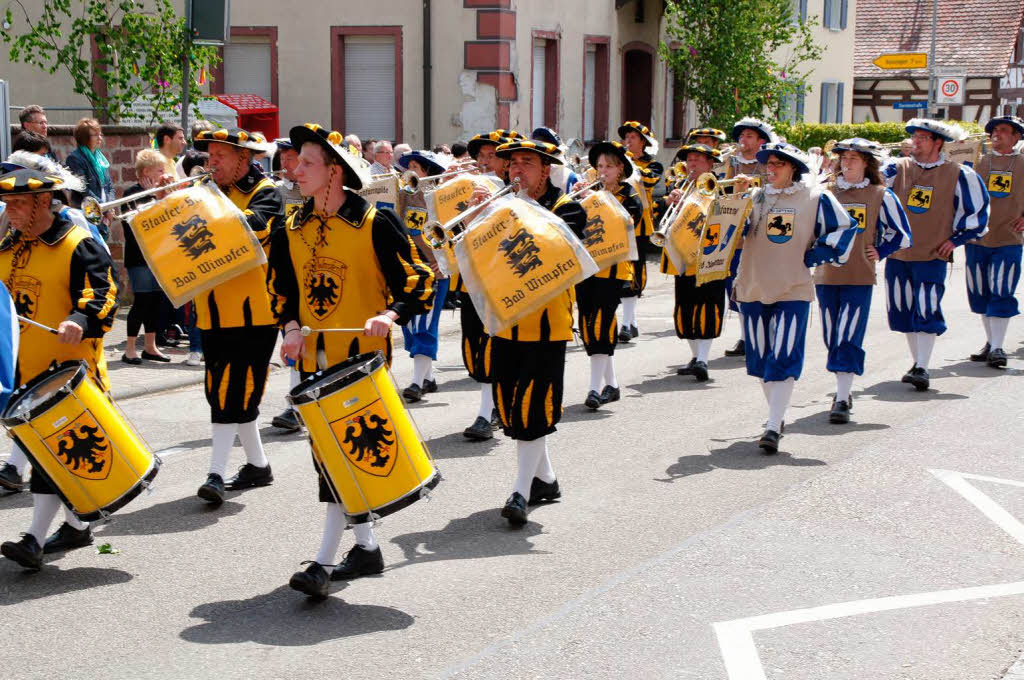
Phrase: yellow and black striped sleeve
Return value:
(93, 289)
(265, 213)
(282, 284)
(631, 202)
(410, 282)
(651, 175)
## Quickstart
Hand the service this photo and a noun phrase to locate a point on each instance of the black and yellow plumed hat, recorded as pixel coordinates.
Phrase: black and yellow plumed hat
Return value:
(542, 149)
(712, 153)
(357, 170)
(706, 132)
(639, 128)
(26, 181)
(617, 149)
(243, 139)
(495, 137)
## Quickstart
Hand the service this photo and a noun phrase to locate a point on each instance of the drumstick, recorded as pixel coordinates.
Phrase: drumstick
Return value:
(306, 330)
(38, 325)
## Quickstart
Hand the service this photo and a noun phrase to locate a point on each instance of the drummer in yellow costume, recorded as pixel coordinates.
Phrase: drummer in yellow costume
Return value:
(528, 359)
(340, 263)
(642, 145)
(61, 277)
(238, 328)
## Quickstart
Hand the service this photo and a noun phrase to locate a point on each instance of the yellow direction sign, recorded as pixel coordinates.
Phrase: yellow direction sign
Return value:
(902, 60)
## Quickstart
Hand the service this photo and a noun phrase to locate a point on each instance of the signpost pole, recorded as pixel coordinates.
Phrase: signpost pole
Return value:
(931, 61)
(185, 75)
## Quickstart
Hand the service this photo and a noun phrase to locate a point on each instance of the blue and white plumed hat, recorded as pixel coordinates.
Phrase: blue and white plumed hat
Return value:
(787, 151)
(431, 162)
(860, 145)
(762, 128)
(947, 131)
(1013, 121)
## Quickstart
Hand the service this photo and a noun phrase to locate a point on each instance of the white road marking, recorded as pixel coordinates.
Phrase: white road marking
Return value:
(735, 637)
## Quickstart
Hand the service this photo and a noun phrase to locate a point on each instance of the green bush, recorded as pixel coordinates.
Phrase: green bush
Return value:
(806, 135)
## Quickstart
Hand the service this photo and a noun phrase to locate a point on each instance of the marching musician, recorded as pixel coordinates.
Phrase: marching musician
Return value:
(528, 359)
(60, 276)
(598, 297)
(714, 138)
(421, 333)
(699, 310)
(844, 293)
(947, 206)
(642, 145)
(793, 225)
(236, 323)
(994, 260)
(363, 275)
(562, 176)
(476, 344)
(749, 134)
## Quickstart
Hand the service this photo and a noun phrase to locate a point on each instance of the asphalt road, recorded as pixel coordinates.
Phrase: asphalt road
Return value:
(678, 550)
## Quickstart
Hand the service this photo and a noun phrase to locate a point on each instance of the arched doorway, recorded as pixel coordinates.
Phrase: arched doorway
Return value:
(637, 82)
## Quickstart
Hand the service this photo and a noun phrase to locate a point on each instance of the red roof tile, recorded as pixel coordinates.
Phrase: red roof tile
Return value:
(974, 35)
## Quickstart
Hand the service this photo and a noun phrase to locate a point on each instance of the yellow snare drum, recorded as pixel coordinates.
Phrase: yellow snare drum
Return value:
(76, 436)
(364, 441)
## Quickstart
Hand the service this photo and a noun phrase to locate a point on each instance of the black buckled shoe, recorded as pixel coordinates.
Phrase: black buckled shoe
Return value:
(313, 581)
(10, 479)
(738, 350)
(287, 420)
(213, 490)
(769, 442)
(250, 476)
(495, 418)
(610, 394)
(982, 354)
(27, 552)
(700, 371)
(515, 509)
(908, 377)
(66, 537)
(413, 393)
(542, 492)
(429, 386)
(840, 412)
(359, 562)
(480, 430)
(919, 378)
(688, 368)
(625, 335)
(634, 332)
(593, 400)
(997, 358)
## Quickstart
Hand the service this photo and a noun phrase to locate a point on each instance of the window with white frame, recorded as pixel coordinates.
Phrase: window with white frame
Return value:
(539, 84)
(834, 15)
(370, 87)
(831, 110)
(247, 67)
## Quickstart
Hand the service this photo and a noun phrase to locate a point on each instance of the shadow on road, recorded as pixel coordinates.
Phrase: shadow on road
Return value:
(737, 456)
(670, 383)
(482, 534)
(971, 369)
(578, 412)
(15, 499)
(817, 425)
(894, 390)
(267, 433)
(177, 516)
(455, 445)
(285, 618)
(23, 586)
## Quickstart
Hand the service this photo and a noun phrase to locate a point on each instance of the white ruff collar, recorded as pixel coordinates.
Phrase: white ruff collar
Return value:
(1013, 152)
(744, 161)
(844, 185)
(791, 189)
(928, 166)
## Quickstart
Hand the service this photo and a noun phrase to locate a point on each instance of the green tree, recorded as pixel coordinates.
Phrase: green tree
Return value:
(139, 46)
(737, 58)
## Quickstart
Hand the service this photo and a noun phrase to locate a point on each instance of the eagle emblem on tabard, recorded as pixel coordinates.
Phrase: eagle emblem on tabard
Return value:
(323, 280)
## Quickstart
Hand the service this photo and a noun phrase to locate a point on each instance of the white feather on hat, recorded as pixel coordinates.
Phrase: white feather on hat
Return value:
(951, 131)
(757, 124)
(32, 161)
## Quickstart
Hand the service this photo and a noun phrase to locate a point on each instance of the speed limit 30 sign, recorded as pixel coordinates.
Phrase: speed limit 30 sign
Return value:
(950, 90)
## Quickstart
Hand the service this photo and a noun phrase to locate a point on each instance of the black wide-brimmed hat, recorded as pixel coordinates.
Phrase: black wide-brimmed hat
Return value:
(616, 149)
(357, 170)
(706, 132)
(495, 137)
(639, 128)
(26, 181)
(712, 153)
(243, 139)
(542, 149)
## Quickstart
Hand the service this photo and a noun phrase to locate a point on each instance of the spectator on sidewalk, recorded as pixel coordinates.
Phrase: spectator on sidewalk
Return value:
(460, 152)
(33, 143)
(368, 146)
(353, 141)
(33, 119)
(170, 141)
(383, 158)
(88, 162)
(400, 150)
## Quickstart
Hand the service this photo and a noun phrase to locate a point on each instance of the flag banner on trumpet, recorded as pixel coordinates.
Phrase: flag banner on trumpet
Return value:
(446, 261)
(382, 192)
(721, 235)
(966, 151)
(609, 234)
(195, 239)
(682, 242)
(637, 183)
(515, 258)
(449, 199)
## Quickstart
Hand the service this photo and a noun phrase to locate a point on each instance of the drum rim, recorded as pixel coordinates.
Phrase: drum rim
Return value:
(397, 504)
(77, 377)
(332, 380)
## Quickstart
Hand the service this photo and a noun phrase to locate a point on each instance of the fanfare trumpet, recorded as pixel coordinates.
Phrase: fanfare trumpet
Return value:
(411, 183)
(437, 235)
(94, 210)
(596, 185)
(676, 172)
(706, 185)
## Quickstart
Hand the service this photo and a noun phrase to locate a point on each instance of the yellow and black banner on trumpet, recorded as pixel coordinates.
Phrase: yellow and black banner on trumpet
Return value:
(195, 239)
(682, 242)
(451, 198)
(609, 235)
(720, 237)
(515, 258)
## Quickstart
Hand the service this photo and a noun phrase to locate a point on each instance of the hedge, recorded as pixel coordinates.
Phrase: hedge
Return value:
(806, 135)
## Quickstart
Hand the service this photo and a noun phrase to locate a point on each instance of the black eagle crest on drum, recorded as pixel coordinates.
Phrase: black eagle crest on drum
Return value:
(322, 283)
(521, 252)
(368, 440)
(593, 232)
(83, 449)
(194, 237)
